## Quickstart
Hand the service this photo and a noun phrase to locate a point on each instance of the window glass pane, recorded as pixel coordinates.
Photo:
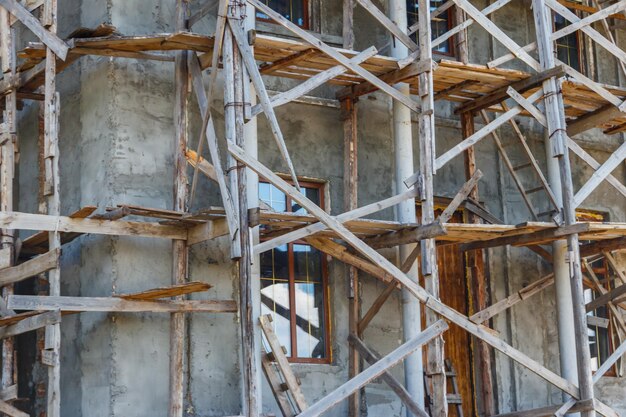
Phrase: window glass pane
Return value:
(310, 320)
(312, 194)
(273, 197)
(307, 263)
(294, 10)
(438, 25)
(275, 301)
(275, 263)
(598, 330)
(567, 49)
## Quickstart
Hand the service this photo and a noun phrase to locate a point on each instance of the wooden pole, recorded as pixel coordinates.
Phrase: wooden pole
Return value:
(350, 189)
(179, 247)
(51, 191)
(235, 75)
(555, 117)
(435, 368)
(348, 24)
(7, 172)
(475, 265)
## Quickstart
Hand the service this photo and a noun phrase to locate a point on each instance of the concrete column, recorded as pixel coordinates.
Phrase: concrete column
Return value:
(564, 306)
(405, 211)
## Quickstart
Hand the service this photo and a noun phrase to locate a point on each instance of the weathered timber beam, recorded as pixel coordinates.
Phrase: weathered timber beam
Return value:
(605, 298)
(596, 118)
(501, 94)
(407, 236)
(30, 268)
(207, 231)
(453, 89)
(268, 69)
(114, 304)
(51, 40)
(43, 222)
(528, 238)
(166, 292)
(602, 246)
(414, 288)
(340, 252)
(375, 370)
(204, 166)
(31, 323)
(513, 299)
(392, 77)
(372, 357)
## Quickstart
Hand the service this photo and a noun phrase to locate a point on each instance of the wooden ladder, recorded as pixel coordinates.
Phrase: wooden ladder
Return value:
(453, 397)
(277, 369)
(530, 164)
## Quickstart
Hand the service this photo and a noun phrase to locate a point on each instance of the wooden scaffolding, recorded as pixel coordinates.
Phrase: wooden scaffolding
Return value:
(561, 99)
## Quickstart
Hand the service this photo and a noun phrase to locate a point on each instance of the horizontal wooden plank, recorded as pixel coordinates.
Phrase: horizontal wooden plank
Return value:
(165, 292)
(28, 221)
(119, 305)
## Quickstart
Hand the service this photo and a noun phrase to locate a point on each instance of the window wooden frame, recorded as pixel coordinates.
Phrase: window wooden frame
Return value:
(306, 15)
(293, 358)
(583, 215)
(579, 44)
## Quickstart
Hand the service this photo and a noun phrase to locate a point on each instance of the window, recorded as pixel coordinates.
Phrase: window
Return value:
(599, 321)
(297, 11)
(567, 47)
(439, 24)
(294, 287)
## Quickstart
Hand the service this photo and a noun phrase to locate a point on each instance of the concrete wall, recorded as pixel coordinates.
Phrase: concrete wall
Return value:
(117, 144)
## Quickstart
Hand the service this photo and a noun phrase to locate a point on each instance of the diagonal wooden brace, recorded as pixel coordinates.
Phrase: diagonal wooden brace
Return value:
(50, 39)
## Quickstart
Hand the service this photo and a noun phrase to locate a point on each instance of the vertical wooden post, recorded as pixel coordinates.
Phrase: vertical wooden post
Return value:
(555, 117)
(476, 268)
(462, 49)
(234, 75)
(348, 24)
(51, 191)
(435, 365)
(7, 173)
(350, 184)
(179, 247)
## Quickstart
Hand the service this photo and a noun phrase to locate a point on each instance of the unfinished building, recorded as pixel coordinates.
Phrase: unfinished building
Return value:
(312, 207)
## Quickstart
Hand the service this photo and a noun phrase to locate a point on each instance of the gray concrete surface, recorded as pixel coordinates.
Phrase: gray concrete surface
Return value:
(117, 146)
